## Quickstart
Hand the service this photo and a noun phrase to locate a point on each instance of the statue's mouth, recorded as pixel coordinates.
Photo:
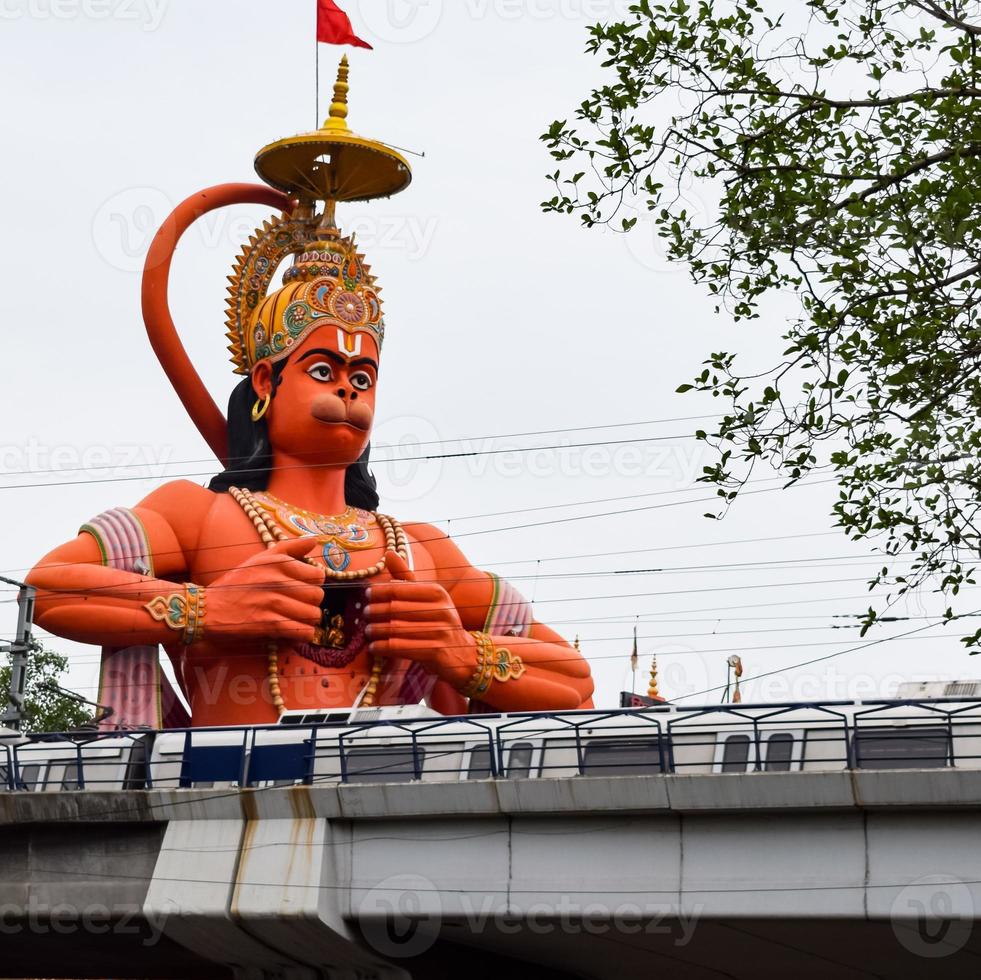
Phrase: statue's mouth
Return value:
(348, 422)
(336, 418)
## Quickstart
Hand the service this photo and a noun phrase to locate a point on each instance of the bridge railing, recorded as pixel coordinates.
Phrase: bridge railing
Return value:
(678, 739)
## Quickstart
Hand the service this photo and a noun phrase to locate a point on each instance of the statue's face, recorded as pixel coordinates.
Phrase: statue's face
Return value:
(324, 404)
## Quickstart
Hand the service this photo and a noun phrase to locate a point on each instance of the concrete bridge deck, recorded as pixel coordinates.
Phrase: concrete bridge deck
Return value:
(759, 875)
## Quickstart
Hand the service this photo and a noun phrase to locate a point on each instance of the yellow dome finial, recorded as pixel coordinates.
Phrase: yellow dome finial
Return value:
(652, 691)
(337, 114)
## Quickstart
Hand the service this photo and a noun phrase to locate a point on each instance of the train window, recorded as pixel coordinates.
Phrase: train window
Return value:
(70, 779)
(519, 760)
(4, 777)
(383, 765)
(279, 764)
(30, 776)
(735, 753)
(621, 757)
(204, 765)
(779, 752)
(480, 763)
(901, 748)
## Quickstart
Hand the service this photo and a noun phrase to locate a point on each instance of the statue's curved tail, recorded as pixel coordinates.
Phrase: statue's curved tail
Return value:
(166, 343)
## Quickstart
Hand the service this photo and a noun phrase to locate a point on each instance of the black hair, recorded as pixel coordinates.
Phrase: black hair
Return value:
(250, 452)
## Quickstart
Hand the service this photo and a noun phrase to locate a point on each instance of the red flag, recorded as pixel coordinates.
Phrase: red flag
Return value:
(334, 26)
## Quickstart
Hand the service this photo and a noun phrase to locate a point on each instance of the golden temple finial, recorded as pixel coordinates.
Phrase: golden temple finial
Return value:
(337, 114)
(333, 163)
(652, 691)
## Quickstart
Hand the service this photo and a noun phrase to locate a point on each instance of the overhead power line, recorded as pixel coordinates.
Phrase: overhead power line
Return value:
(594, 554)
(395, 459)
(834, 561)
(561, 520)
(711, 652)
(830, 656)
(429, 442)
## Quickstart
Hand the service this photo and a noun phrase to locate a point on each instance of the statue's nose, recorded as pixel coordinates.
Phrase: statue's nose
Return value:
(341, 393)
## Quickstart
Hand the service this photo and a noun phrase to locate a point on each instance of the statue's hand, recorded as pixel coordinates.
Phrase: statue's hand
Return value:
(274, 594)
(418, 621)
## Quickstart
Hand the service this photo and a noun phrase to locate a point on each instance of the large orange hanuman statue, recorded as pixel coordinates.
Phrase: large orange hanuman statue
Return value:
(280, 586)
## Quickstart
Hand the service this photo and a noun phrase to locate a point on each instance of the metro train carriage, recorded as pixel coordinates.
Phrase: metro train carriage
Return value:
(115, 760)
(400, 744)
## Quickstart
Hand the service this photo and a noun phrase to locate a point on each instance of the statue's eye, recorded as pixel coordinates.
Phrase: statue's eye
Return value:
(361, 380)
(321, 371)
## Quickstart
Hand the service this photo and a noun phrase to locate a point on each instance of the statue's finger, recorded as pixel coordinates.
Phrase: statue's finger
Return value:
(398, 567)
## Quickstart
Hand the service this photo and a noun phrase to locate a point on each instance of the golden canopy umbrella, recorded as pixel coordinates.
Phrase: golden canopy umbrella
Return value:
(333, 163)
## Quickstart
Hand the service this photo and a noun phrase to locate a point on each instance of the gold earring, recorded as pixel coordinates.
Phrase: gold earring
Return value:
(260, 407)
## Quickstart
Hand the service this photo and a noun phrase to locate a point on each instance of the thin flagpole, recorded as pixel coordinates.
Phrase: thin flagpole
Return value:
(316, 81)
(633, 663)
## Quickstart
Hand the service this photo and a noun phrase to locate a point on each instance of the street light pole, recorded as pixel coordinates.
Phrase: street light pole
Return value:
(19, 651)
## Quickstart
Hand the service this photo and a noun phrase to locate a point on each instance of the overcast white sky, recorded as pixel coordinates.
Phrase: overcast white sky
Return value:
(500, 319)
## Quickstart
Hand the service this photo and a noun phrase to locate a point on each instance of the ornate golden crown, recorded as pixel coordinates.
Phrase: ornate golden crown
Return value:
(329, 281)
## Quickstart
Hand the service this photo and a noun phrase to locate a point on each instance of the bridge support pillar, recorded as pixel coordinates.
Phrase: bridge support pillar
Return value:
(260, 897)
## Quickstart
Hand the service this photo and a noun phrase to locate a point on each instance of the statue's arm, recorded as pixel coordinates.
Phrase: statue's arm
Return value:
(433, 622)
(82, 598)
(271, 594)
(557, 676)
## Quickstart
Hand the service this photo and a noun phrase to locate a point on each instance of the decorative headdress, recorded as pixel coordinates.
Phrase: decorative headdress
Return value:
(329, 281)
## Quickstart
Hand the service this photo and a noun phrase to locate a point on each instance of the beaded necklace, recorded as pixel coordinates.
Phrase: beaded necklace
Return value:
(339, 535)
(270, 532)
